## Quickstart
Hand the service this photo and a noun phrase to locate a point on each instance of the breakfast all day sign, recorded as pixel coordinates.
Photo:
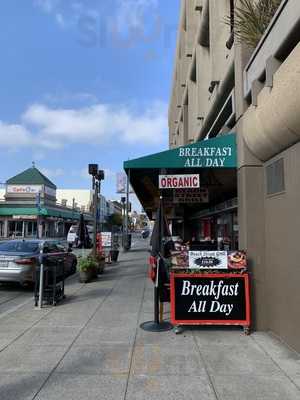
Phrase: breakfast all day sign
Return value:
(211, 299)
(215, 293)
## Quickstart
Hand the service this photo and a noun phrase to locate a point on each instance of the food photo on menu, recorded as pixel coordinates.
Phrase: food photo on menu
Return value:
(237, 260)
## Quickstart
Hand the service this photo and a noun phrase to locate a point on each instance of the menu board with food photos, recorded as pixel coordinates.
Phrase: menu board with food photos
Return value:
(220, 260)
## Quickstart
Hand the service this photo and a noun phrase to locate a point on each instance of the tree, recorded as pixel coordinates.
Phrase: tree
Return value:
(115, 219)
(251, 19)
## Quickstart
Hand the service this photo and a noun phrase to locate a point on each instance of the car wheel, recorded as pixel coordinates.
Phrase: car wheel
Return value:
(74, 267)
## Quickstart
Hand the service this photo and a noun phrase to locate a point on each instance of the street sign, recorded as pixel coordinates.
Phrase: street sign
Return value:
(122, 183)
(106, 239)
(179, 181)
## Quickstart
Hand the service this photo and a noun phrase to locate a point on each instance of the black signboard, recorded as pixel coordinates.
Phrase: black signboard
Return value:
(214, 299)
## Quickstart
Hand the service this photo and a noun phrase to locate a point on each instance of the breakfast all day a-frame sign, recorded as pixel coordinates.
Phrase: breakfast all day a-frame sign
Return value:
(210, 299)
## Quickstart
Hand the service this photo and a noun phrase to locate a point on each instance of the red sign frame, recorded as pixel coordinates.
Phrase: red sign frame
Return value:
(245, 323)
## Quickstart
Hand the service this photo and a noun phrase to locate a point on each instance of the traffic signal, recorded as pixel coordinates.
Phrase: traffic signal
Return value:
(93, 169)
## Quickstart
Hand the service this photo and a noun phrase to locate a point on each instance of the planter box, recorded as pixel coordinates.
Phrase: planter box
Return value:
(85, 276)
(101, 266)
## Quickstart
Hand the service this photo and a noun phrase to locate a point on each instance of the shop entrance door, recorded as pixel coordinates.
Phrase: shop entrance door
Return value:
(31, 229)
(15, 229)
(227, 239)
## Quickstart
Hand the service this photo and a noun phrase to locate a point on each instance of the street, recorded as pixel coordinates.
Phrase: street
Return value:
(14, 296)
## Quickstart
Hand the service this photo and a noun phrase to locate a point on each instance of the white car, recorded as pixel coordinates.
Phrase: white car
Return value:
(72, 237)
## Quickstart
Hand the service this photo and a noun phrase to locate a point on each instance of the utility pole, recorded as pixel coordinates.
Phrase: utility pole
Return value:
(126, 236)
(95, 209)
(123, 201)
(38, 207)
(127, 204)
(98, 176)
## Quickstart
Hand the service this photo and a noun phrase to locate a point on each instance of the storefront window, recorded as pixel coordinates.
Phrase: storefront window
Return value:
(15, 228)
(31, 229)
(1, 229)
(227, 231)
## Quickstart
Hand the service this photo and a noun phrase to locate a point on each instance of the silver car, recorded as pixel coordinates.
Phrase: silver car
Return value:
(18, 259)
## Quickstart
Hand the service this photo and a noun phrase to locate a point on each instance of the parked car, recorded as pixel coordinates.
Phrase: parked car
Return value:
(18, 259)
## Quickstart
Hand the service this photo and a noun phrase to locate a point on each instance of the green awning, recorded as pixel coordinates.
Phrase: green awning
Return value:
(218, 152)
(8, 211)
(46, 212)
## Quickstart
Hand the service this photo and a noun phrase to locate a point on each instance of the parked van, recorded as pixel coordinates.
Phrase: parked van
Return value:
(72, 237)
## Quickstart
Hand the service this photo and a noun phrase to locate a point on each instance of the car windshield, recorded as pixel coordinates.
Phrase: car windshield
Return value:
(19, 247)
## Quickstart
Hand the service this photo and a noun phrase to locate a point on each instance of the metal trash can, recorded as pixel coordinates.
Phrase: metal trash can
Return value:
(53, 284)
(127, 242)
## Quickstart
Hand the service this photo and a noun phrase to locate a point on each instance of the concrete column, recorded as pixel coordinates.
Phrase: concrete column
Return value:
(251, 198)
(40, 227)
(5, 228)
(251, 216)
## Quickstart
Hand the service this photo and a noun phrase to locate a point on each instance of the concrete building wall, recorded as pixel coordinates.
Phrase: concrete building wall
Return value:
(282, 226)
(202, 60)
(266, 118)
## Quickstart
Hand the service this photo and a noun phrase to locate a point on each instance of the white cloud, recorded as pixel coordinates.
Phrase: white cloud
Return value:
(14, 135)
(45, 127)
(98, 123)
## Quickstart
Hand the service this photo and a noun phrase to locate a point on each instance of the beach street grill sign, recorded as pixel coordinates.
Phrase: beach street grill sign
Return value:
(208, 260)
(179, 181)
(210, 299)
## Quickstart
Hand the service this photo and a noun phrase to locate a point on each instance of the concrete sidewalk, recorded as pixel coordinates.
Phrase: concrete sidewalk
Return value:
(91, 347)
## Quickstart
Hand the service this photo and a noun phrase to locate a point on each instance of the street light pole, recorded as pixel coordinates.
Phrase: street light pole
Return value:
(123, 201)
(98, 176)
(127, 204)
(95, 208)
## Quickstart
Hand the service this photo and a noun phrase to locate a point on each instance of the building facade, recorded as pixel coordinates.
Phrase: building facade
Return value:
(80, 199)
(30, 209)
(222, 85)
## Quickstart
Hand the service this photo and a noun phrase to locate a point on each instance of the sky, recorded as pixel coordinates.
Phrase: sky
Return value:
(84, 81)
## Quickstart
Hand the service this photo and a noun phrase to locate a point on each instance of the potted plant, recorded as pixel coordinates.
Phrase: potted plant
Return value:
(87, 269)
(100, 261)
